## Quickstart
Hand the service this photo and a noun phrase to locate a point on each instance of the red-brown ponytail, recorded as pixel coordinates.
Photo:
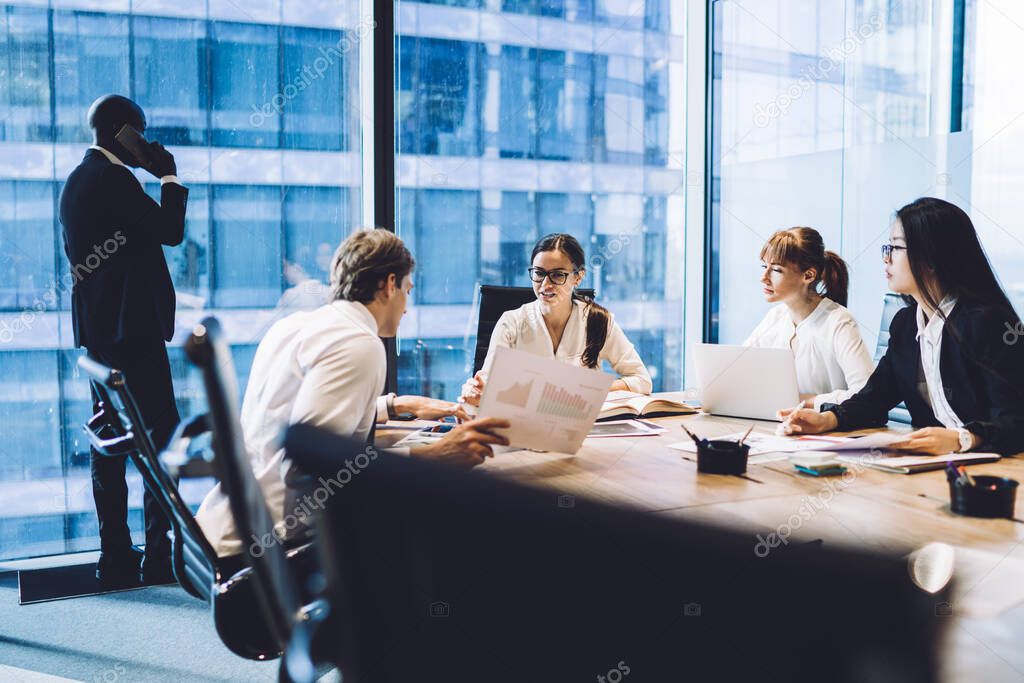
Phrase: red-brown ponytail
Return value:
(804, 248)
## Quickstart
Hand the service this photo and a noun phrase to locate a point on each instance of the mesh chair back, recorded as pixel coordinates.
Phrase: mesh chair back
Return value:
(272, 579)
(891, 306)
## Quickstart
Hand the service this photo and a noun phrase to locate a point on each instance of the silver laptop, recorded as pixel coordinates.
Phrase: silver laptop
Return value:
(743, 381)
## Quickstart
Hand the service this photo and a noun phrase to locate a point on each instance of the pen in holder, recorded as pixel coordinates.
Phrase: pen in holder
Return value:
(721, 456)
(980, 496)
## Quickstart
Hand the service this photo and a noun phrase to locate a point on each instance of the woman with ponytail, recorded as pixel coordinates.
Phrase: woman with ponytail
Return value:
(810, 284)
(562, 324)
(953, 354)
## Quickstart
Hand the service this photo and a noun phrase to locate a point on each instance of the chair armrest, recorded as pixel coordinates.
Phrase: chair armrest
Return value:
(101, 373)
(119, 444)
(176, 457)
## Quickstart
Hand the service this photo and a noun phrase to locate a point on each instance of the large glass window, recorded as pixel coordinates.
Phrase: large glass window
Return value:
(90, 58)
(24, 74)
(264, 120)
(437, 96)
(244, 65)
(314, 88)
(576, 120)
(26, 246)
(247, 235)
(171, 75)
(835, 115)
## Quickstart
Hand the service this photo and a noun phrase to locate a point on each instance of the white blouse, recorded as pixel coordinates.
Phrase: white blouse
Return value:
(832, 361)
(929, 336)
(524, 329)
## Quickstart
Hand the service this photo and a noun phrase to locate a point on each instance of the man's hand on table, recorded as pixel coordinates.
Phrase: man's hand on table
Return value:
(467, 445)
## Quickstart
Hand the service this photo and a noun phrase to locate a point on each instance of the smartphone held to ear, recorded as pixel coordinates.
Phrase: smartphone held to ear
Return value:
(137, 145)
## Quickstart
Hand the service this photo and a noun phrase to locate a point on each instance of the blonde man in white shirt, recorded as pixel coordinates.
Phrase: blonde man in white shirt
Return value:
(809, 284)
(561, 324)
(327, 367)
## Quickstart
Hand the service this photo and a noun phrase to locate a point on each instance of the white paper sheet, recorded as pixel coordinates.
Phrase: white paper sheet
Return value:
(550, 404)
(759, 444)
(879, 440)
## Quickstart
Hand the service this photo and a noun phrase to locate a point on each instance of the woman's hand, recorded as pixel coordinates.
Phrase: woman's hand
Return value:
(429, 408)
(930, 441)
(473, 389)
(806, 421)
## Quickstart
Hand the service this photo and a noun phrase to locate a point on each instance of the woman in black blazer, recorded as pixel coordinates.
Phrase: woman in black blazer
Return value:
(955, 356)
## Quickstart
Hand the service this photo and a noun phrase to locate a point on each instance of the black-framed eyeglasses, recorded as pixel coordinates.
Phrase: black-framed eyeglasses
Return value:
(887, 250)
(557, 277)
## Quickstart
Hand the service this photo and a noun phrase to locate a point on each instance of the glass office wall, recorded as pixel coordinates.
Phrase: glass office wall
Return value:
(518, 119)
(260, 106)
(834, 115)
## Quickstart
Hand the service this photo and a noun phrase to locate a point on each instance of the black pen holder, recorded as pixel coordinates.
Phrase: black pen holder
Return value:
(991, 497)
(722, 457)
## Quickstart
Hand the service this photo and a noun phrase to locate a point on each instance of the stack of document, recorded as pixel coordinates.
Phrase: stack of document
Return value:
(913, 463)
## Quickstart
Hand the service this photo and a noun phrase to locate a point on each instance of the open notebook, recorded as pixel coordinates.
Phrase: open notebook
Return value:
(627, 404)
(911, 464)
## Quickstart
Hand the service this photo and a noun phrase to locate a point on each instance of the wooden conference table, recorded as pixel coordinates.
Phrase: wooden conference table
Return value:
(892, 513)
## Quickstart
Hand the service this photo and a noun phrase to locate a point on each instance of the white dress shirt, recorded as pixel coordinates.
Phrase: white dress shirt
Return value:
(929, 336)
(324, 367)
(832, 361)
(524, 329)
(114, 160)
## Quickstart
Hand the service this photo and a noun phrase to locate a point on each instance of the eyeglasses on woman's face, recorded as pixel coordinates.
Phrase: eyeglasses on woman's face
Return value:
(557, 277)
(887, 250)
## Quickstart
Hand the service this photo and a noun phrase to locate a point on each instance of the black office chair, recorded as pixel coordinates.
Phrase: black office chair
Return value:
(118, 429)
(278, 576)
(421, 590)
(891, 306)
(495, 300)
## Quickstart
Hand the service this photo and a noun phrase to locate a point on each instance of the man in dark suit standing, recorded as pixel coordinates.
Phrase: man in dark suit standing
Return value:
(122, 307)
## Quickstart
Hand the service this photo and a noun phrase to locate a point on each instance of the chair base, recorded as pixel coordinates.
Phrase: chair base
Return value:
(61, 583)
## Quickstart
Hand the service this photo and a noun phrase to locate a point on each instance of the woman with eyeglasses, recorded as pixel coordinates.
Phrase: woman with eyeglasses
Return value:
(809, 284)
(950, 358)
(562, 324)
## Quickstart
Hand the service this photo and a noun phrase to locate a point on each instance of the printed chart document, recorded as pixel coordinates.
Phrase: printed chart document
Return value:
(551, 405)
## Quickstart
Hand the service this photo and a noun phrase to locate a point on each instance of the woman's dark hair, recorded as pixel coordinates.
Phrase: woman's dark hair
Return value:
(597, 316)
(804, 248)
(946, 257)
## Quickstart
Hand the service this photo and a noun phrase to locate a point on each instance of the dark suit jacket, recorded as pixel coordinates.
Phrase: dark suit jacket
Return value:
(982, 377)
(112, 236)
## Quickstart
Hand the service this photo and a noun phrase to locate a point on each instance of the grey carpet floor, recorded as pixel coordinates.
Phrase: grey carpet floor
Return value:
(153, 634)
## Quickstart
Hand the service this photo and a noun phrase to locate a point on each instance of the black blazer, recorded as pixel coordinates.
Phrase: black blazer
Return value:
(982, 377)
(112, 236)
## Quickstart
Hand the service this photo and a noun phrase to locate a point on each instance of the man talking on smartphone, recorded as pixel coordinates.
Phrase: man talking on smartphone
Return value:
(122, 307)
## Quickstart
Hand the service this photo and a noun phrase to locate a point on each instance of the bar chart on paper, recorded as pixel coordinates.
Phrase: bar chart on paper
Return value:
(557, 401)
(549, 405)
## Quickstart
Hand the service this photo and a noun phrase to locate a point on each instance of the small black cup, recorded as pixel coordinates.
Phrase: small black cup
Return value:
(722, 457)
(990, 497)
